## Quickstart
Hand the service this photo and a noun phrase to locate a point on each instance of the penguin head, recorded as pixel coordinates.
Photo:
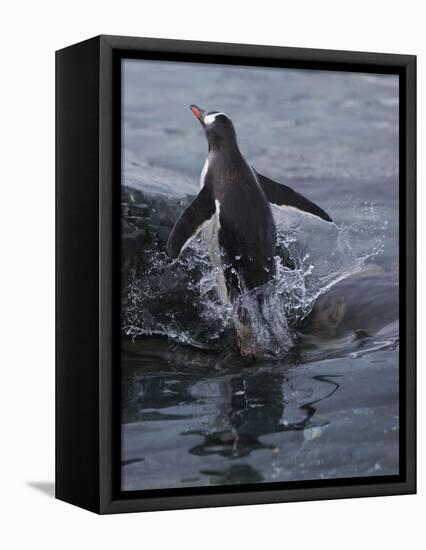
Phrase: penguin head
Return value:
(217, 127)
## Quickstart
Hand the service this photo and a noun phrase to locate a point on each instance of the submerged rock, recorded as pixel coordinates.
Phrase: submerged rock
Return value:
(146, 222)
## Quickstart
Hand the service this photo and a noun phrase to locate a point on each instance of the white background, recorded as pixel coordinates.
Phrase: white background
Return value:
(30, 32)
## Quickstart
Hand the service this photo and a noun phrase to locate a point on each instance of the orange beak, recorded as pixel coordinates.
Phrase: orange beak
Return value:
(199, 113)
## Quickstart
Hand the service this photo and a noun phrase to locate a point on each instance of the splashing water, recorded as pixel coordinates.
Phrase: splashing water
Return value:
(179, 299)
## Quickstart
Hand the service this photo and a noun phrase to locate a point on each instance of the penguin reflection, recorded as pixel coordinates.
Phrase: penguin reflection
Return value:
(252, 406)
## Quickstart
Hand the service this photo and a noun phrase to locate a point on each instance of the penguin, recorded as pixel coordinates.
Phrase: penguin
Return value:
(235, 202)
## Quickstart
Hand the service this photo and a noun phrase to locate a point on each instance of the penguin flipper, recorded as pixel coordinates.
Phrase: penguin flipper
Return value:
(192, 220)
(282, 195)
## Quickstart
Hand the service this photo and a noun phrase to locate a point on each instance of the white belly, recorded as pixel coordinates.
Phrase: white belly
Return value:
(204, 172)
(212, 236)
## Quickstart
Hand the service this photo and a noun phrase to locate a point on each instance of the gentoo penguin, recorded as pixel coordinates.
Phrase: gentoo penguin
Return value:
(235, 200)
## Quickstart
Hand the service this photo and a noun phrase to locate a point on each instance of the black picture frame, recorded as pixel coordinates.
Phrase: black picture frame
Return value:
(87, 299)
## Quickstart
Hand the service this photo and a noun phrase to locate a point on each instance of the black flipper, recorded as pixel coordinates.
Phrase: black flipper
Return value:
(191, 222)
(282, 195)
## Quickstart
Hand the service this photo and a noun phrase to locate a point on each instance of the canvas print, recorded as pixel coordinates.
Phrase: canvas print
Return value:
(259, 275)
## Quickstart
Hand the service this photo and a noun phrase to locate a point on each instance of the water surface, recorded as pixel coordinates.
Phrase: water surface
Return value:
(323, 401)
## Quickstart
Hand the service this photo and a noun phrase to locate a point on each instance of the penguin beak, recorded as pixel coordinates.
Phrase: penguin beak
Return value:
(199, 113)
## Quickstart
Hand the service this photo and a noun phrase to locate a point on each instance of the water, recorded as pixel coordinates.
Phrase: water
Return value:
(321, 401)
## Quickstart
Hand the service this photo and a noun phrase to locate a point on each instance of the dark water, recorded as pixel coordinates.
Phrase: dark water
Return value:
(323, 400)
